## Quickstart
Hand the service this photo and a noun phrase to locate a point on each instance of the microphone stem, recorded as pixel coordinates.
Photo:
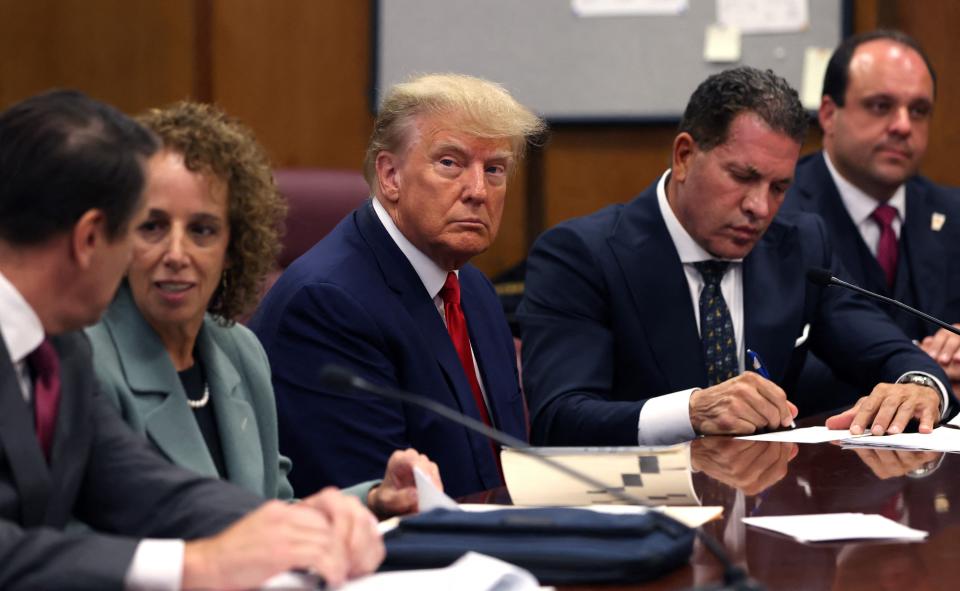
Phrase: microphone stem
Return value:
(732, 573)
(896, 303)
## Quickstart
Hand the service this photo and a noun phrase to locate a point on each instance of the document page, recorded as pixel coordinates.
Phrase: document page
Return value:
(803, 435)
(837, 526)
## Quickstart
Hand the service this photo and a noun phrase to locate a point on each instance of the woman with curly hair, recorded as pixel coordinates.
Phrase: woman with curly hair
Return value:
(168, 352)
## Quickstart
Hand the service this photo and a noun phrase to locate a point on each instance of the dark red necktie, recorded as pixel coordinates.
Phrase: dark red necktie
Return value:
(46, 392)
(457, 327)
(887, 250)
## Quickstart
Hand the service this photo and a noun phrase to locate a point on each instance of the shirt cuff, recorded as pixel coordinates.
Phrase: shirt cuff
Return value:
(944, 396)
(665, 420)
(157, 565)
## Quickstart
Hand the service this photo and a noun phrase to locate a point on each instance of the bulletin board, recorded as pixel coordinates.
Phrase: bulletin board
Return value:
(581, 69)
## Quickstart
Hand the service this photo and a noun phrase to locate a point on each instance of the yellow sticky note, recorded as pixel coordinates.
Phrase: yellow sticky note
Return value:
(814, 67)
(721, 44)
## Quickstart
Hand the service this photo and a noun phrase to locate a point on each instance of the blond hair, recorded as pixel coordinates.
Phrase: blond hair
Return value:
(481, 108)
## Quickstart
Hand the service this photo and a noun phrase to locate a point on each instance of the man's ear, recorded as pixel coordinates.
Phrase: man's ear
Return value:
(684, 149)
(88, 234)
(388, 175)
(826, 114)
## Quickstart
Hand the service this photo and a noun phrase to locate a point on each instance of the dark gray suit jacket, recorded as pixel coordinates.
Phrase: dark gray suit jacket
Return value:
(101, 472)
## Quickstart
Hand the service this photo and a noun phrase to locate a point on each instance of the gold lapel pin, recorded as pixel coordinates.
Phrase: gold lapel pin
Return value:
(937, 220)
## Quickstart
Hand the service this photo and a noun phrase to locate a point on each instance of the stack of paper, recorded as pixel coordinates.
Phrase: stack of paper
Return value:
(653, 475)
(942, 439)
(837, 526)
(802, 435)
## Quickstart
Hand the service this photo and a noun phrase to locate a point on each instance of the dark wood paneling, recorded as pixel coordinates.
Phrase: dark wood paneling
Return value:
(131, 53)
(297, 72)
(931, 22)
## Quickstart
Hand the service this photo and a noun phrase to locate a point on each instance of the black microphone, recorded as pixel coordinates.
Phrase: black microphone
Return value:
(825, 278)
(338, 378)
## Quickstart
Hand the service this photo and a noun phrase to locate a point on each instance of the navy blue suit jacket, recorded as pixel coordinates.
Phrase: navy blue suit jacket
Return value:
(928, 270)
(355, 300)
(931, 257)
(608, 321)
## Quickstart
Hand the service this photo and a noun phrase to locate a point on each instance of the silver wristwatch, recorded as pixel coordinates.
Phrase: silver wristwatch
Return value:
(920, 380)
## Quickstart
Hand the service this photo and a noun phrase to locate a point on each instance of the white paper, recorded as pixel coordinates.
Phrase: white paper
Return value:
(815, 60)
(942, 439)
(654, 475)
(721, 44)
(837, 526)
(429, 497)
(764, 16)
(627, 7)
(472, 572)
(803, 435)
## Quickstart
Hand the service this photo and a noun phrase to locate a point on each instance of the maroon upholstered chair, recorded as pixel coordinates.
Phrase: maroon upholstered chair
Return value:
(317, 200)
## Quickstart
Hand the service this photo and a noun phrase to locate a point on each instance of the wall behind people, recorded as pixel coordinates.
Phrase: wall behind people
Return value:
(297, 72)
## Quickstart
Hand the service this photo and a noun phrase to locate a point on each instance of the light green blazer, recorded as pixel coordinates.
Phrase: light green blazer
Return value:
(138, 376)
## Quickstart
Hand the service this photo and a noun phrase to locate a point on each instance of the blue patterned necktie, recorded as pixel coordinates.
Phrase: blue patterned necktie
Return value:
(716, 325)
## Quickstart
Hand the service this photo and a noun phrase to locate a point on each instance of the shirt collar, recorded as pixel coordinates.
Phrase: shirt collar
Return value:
(432, 276)
(687, 247)
(20, 326)
(860, 205)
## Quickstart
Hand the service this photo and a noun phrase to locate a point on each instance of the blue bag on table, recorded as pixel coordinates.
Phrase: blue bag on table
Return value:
(558, 545)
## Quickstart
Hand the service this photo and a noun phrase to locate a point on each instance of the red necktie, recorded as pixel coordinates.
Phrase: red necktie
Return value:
(887, 249)
(457, 327)
(46, 391)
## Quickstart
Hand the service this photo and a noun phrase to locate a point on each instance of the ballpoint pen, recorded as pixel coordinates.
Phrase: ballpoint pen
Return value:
(755, 364)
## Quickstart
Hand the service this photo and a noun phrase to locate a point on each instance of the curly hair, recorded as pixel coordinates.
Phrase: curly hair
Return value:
(721, 97)
(213, 143)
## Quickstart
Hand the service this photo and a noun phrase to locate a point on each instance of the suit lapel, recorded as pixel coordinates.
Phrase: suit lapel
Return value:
(22, 450)
(844, 234)
(925, 254)
(483, 338)
(400, 275)
(236, 422)
(658, 285)
(773, 291)
(158, 394)
(73, 431)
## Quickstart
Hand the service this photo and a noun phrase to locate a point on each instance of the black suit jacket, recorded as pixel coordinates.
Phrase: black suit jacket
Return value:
(608, 321)
(928, 270)
(101, 472)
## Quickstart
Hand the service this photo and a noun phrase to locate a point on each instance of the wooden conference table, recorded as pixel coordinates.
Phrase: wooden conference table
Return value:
(919, 489)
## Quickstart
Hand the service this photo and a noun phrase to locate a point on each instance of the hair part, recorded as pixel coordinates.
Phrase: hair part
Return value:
(719, 99)
(62, 154)
(480, 107)
(215, 144)
(836, 79)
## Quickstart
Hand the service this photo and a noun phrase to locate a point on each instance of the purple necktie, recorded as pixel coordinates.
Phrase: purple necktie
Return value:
(46, 391)
(887, 249)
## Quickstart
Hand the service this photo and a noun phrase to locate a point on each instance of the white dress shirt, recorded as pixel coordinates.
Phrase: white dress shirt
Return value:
(860, 206)
(157, 565)
(666, 419)
(430, 274)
